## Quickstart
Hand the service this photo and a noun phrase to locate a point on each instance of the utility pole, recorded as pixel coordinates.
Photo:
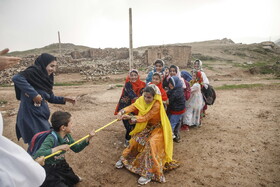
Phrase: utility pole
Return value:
(130, 40)
(59, 44)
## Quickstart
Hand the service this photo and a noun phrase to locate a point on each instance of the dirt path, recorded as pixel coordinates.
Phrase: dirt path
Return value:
(237, 145)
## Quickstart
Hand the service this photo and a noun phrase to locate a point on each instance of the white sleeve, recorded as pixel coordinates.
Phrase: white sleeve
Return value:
(195, 88)
(17, 167)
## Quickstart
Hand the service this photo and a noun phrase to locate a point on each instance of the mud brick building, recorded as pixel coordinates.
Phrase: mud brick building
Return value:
(178, 55)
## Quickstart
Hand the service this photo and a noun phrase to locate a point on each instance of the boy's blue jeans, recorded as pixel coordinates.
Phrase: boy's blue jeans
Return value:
(175, 122)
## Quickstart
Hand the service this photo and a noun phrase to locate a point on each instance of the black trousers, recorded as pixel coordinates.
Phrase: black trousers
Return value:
(60, 175)
(128, 128)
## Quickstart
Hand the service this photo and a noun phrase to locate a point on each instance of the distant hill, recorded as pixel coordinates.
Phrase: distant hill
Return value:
(261, 57)
(52, 49)
(213, 50)
(225, 50)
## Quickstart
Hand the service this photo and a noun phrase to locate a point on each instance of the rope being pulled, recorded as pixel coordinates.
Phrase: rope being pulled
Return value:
(57, 152)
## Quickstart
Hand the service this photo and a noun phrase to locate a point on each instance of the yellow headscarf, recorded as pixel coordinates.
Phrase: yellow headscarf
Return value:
(144, 108)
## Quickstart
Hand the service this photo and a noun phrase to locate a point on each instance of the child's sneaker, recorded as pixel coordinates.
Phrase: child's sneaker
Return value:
(80, 178)
(119, 164)
(143, 180)
(126, 143)
(177, 139)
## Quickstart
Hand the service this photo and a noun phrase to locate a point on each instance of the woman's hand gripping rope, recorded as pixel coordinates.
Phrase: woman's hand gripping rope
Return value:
(89, 136)
(125, 116)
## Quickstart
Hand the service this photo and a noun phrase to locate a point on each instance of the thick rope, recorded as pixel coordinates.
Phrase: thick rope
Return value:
(57, 152)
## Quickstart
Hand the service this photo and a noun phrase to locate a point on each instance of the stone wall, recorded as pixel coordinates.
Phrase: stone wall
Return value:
(98, 54)
(178, 55)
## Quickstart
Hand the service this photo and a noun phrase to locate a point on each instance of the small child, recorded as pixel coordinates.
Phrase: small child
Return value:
(197, 65)
(158, 67)
(58, 171)
(157, 80)
(176, 105)
(175, 71)
(166, 76)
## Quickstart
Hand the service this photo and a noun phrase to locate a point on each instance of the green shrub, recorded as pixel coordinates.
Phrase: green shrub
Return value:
(237, 86)
(69, 83)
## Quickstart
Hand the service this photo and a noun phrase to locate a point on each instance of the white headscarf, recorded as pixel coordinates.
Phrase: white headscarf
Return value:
(157, 91)
(17, 167)
(204, 77)
(199, 62)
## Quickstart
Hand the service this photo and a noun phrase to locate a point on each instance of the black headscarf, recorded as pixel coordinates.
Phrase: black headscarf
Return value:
(37, 75)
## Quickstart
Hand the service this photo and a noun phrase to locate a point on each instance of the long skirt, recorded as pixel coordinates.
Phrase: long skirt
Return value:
(145, 154)
(194, 107)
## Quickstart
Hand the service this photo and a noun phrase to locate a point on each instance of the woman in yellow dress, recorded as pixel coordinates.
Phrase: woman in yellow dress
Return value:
(150, 148)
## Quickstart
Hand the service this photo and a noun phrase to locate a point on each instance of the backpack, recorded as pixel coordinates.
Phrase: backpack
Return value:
(209, 95)
(38, 139)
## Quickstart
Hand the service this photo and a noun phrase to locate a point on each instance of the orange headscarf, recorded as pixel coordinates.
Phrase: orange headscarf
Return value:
(138, 85)
(159, 85)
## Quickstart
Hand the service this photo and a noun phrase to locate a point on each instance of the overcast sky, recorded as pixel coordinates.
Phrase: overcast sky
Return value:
(28, 24)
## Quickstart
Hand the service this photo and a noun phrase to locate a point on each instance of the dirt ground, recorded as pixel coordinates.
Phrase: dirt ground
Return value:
(238, 143)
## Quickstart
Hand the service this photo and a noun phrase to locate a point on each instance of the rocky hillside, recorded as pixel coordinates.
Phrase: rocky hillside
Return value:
(92, 62)
(227, 50)
(238, 53)
(263, 58)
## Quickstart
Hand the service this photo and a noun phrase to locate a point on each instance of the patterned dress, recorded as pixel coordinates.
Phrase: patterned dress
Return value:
(194, 106)
(145, 154)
